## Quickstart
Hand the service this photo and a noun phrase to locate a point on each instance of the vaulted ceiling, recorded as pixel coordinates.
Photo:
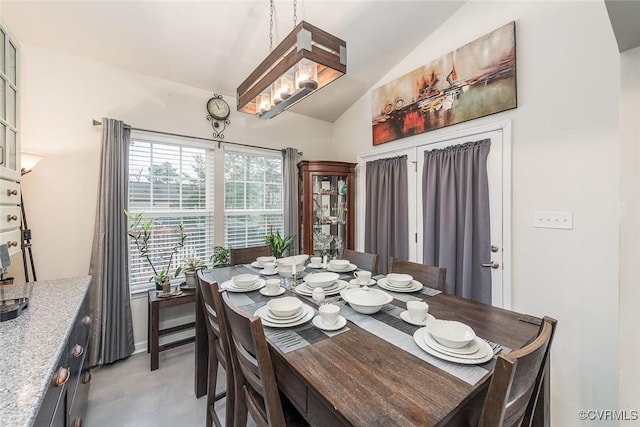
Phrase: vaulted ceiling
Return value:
(215, 44)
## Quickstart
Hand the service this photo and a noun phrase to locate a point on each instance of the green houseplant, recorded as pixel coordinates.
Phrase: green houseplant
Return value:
(140, 232)
(191, 266)
(220, 257)
(277, 243)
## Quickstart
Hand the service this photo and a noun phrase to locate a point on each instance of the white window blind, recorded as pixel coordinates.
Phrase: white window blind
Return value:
(253, 197)
(171, 184)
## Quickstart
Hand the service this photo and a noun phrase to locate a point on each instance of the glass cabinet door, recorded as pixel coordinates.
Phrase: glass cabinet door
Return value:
(329, 214)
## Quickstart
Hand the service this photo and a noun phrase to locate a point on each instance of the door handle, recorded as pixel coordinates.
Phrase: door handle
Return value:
(492, 264)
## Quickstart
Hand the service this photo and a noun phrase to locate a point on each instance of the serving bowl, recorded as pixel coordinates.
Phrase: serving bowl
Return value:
(321, 280)
(262, 260)
(285, 306)
(288, 261)
(450, 333)
(399, 279)
(244, 280)
(339, 264)
(366, 300)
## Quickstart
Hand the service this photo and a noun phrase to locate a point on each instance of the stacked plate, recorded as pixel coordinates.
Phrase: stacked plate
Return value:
(243, 283)
(454, 342)
(307, 291)
(337, 268)
(284, 313)
(399, 283)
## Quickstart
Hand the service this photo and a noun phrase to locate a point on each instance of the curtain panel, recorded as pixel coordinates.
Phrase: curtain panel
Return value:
(455, 206)
(291, 204)
(387, 210)
(112, 328)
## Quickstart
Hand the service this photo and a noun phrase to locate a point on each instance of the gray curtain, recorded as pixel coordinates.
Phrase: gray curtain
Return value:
(387, 210)
(291, 205)
(112, 328)
(455, 206)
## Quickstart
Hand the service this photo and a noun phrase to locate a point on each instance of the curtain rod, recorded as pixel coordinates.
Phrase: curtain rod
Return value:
(281, 150)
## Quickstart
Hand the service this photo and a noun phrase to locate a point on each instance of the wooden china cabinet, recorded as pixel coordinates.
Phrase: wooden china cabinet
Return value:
(327, 205)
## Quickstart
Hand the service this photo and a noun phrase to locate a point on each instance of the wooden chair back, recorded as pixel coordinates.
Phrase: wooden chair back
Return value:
(247, 255)
(219, 351)
(428, 275)
(253, 369)
(363, 260)
(514, 380)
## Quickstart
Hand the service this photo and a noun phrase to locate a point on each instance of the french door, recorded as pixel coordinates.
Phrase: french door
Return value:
(499, 175)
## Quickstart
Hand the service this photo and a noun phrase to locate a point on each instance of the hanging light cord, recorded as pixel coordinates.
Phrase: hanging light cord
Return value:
(271, 25)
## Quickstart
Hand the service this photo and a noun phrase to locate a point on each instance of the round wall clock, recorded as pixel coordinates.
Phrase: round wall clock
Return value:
(219, 111)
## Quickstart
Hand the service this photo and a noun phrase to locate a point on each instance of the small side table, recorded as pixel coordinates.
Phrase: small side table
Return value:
(153, 327)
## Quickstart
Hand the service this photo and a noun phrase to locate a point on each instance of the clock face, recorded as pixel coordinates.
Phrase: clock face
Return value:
(218, 108)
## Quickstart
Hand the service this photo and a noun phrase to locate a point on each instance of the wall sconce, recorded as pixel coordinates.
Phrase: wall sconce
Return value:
(307, 60)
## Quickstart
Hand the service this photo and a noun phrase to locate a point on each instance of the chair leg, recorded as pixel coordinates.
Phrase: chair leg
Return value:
(211, 386)
(230, 404)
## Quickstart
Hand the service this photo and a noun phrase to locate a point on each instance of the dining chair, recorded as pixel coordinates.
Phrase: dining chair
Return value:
(514, 381)
(247, 255)
(256, 387)
(428, 275)
(219, 352)
(363, 260)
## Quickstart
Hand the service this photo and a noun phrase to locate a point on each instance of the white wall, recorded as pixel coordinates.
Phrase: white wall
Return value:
(629, 229)
(61, 95)
(565, 157)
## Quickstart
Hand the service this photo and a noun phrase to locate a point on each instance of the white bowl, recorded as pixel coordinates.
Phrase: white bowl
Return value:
(262, 260)
(450, 333)
(288, 261)
(339, 264)
(244, 280)
(366, 300)
(321, 280)
(286, 272)
(285, 306)
(399, 279)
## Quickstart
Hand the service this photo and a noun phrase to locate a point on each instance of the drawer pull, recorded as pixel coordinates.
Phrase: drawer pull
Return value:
(86, 379)
(86, 320)
(12, 192)
(12, 218)
(77, 422)
(77, 350)
(12, 243)
(61, 377)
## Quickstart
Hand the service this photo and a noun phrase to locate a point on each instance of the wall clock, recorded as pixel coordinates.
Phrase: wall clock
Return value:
(219, 111)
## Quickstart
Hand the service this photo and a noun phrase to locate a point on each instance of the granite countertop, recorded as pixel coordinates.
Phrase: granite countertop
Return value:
(32, 343)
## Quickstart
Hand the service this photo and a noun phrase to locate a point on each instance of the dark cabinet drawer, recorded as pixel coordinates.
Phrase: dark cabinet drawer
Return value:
(53, 408)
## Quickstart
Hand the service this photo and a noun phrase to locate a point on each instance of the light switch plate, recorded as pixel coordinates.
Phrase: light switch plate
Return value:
(562, 220)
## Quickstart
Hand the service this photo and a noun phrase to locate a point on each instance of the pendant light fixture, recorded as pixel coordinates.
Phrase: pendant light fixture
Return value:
(306, 60)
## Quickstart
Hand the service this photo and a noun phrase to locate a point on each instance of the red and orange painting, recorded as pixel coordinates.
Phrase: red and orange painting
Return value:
(473, 81)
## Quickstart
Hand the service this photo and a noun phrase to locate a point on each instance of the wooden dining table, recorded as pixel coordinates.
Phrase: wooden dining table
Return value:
(356, 378)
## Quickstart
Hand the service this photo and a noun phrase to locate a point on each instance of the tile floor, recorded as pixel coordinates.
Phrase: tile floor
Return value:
(128, 394)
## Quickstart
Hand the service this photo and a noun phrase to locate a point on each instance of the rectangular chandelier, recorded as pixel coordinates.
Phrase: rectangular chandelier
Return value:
(307, 60)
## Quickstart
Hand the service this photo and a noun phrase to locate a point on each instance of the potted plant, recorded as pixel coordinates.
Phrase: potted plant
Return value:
(277, 243)
(191, 266)
(140, 232)
(220, 257)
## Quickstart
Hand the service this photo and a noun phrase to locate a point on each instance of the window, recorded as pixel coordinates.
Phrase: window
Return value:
(253, 197)
(8, 104)
(171, 183)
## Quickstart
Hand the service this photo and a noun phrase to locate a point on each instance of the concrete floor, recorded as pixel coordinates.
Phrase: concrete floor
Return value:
(127, 393)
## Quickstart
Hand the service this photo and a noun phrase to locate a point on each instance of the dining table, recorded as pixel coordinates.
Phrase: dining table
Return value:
(371, 372)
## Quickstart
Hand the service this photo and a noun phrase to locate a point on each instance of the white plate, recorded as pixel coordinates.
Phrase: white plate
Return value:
(335, 285)
(268, 274)
(228, 285)
(470, 348)
(314, 266)
(419, 338)
(306, 291)
(405, 316)
(357, 282)
(349, 269)
(309, 313)
(340, 323)
(481, 351)
(256, 264)
(281, 291)
(265, 314)
(384, 284)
